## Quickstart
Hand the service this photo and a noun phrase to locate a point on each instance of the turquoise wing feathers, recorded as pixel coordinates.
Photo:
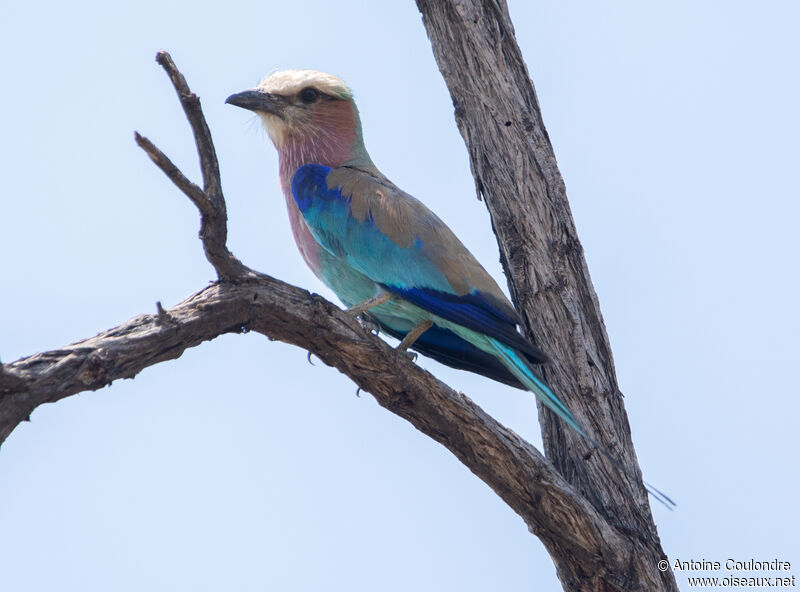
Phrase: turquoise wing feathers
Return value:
(398, 243)
(381, 231)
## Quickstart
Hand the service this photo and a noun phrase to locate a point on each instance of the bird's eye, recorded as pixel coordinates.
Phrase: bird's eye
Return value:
(309, 95)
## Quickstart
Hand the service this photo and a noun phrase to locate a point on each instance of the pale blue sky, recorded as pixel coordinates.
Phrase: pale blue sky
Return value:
(241, 467)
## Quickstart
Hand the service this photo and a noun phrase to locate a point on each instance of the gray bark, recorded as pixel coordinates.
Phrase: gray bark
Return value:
(516, 173)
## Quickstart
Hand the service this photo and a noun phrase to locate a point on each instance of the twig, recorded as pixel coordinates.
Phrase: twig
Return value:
(210, 200)
(163, 162)
(163, 316)
(202, 135)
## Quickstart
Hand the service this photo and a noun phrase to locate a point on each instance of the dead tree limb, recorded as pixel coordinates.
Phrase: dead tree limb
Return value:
(515, 171)
(243, 300)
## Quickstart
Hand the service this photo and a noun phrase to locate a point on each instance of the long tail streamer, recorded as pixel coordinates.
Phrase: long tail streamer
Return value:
(520, 368)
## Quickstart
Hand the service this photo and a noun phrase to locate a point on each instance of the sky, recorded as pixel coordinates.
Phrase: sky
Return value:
(240, 466)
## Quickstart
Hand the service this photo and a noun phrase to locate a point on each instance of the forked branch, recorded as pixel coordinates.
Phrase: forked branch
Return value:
(209, 200)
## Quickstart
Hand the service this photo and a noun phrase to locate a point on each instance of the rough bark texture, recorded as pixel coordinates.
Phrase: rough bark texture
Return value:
(516, 173)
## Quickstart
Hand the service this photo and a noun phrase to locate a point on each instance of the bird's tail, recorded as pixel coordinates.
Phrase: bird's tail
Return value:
(520, 368)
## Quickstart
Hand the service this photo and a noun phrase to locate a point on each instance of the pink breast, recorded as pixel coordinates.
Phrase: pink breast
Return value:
(308, 247)
(297, 149)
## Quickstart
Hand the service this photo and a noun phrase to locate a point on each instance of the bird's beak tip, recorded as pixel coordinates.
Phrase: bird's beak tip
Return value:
(253, 100)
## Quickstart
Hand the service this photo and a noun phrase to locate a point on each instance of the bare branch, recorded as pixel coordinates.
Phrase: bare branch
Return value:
(202, 135)
(175, 175)
(209, 200)
(515, 171)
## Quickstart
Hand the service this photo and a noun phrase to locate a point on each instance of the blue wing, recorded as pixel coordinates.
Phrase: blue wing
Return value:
(397, 242)
(446, 347)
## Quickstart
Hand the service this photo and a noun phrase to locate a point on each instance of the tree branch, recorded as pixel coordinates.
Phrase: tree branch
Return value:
(162, 161)
(209, 200)
(515, 171)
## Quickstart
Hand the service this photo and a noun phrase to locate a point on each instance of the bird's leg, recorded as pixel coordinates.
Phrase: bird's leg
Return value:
(368, 303)
(415, 333)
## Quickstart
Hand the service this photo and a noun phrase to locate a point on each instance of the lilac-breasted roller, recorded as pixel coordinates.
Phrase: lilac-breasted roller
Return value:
(380, 249)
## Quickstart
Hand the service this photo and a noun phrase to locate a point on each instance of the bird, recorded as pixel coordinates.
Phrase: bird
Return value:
(385, 254)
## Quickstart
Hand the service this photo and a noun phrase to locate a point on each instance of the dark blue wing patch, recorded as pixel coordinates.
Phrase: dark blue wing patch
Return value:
(449, 349)
(475, 312)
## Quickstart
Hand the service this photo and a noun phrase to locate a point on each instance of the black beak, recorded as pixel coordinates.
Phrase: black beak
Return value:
(255, 100)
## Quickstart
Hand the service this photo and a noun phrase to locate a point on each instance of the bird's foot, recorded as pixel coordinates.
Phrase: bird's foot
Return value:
(410, 355)
(368, 323)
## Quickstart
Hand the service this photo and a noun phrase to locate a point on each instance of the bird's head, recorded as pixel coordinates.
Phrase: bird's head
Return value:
(308, 115)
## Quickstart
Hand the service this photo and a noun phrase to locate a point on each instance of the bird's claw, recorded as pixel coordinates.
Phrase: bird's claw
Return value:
(368, 324)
